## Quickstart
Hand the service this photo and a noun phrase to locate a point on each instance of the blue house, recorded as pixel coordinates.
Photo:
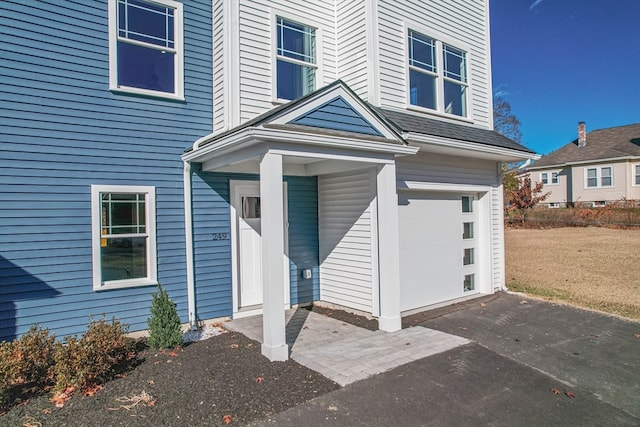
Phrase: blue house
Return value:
(248, 155)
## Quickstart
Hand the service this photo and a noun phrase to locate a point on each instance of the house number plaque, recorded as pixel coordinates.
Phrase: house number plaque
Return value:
(220, 236)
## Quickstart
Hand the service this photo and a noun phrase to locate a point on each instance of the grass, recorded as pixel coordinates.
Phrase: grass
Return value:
(592, 267)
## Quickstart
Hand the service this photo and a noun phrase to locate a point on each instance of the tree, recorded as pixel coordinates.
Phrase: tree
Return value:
(164, 323)
(522, 198)
(504, 121)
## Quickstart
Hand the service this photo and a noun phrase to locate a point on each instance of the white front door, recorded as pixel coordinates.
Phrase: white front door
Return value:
(245, 197)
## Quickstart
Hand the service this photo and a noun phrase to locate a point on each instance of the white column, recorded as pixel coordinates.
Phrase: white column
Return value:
(388, 249)
(274, 345)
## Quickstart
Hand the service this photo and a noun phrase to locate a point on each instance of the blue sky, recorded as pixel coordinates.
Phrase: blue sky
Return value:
(559, 62)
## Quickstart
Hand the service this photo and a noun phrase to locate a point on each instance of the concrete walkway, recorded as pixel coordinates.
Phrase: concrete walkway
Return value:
(347, 353)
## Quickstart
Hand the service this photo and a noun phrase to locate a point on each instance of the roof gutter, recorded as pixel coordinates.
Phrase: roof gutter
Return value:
(585, 162)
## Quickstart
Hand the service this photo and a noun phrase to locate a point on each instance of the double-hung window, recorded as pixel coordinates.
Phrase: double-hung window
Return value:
(599, 177)
(123, 236)
(554, 177)
(146, 48)
(437, 75)
(636, 179)
(546, 180)
(296, 59)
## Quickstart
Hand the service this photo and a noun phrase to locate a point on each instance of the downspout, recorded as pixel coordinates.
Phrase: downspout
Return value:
(188, 229)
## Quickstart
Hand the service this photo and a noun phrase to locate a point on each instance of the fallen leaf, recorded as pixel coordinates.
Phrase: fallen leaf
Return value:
(121, 375)
(260, 379)
(250, 344)
(334, 332)
(636, 335)
(462, 328)
(407, 343)
(150, 382)
(483, 304)
(173, 354)
(157, 362)
(226, 419)
(46, 411)
(169, 360)
(92, 390)
(570, 394)
(234, 345)
(523, 302)
(306, 327)
(555, 391)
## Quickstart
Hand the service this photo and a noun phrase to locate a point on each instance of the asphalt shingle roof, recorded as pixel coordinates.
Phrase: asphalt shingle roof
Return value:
(406, 122)
(602, 144)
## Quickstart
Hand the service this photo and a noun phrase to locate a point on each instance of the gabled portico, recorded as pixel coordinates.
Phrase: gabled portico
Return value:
(328, 132)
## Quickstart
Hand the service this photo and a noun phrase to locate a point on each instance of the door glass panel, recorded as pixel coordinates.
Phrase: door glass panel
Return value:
(469, 284)
(250, 207)
(467, 204)
(467, 230)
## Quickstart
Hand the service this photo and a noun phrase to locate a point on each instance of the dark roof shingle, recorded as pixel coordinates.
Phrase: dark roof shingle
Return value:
(406, 122)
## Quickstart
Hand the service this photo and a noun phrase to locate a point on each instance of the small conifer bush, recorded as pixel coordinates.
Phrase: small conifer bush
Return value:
(164, 323)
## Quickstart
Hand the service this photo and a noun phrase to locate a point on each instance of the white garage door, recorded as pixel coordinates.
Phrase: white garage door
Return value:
(437, 247)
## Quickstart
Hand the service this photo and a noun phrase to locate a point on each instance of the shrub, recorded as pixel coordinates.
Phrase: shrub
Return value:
(27, 360)
(164, 324)
(94, 357)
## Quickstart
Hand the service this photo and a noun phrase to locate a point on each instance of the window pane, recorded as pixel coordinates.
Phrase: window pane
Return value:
(455, 98)
(454, 64)
(592, 178)
(544, 178)
(637, 174)
(294, 80)
(123, 213)
(606, 177)
(554, 177)
(145, 68)
(296, 41)
(467, 230)
(469, 284)
(422, 89)
(251, 207)
(468, 257)
(422, 52)
(146, 22)
(124, 258)
(467, 204)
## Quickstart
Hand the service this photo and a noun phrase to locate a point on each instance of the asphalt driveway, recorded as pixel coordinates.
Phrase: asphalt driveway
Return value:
(523, 353)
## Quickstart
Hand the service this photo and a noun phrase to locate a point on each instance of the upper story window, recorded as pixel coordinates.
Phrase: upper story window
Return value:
(145, 47)
(437, 75)
(296, 59)
(599, 177)
(123, 236)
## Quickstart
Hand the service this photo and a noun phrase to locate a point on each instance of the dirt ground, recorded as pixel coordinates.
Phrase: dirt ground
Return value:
(597, 268)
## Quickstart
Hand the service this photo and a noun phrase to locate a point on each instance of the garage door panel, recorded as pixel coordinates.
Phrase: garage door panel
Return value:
(430, 248)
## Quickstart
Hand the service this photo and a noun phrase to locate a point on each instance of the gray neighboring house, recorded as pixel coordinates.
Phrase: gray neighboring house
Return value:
(597, 168)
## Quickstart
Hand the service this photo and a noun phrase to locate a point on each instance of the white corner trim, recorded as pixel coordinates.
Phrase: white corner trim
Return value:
(373, 56)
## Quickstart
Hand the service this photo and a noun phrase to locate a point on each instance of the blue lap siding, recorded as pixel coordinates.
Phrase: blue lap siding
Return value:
(62, 130)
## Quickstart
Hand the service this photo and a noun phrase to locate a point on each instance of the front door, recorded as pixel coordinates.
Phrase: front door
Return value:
(248, 244)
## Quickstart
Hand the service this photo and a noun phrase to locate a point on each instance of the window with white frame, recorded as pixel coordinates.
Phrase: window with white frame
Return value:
(296, 59)
(599, 177)
(146, 48)
(437, 75)
(549, 178)
(123, 236)
(636, 178)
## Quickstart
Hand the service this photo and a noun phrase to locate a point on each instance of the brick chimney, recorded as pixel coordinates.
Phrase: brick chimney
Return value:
(582, 134)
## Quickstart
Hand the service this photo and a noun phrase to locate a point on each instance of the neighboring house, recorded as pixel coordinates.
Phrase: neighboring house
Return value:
(339, 151)
(597, 168)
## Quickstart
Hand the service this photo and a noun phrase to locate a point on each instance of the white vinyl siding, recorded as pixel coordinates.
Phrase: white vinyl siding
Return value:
(352, 45)
(445, 169)
(462, 26)
(344, 225)
(219, 92)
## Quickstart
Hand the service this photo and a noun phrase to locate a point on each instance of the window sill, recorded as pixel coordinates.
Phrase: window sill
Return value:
(146, 93)
(123, 284)
(423, 110)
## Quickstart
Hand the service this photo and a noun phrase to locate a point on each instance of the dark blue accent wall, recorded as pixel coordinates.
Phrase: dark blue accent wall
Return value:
(211, 214)
(337, 114)
(62, 130)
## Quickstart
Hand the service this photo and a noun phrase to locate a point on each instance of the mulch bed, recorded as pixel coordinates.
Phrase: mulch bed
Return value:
(223, 380)
(219, 381)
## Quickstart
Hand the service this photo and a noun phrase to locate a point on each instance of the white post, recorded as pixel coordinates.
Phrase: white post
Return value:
(388, 249)
(274, 345)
